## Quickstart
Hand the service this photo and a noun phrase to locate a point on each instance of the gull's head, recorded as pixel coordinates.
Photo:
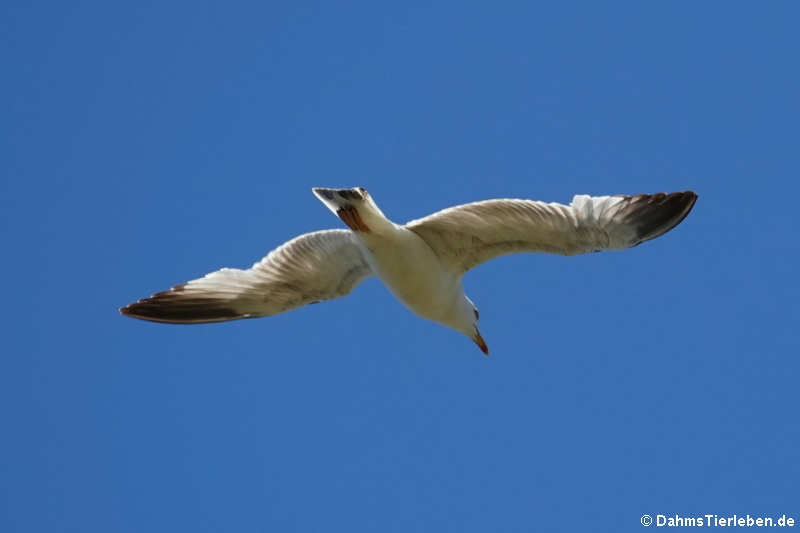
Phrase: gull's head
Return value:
(465, 319)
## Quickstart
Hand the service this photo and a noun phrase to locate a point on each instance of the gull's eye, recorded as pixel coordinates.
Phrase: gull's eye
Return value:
(362, 190)
(477, 314)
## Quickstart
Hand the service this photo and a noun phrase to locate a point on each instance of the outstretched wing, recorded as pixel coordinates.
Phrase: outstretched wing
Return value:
(310, 268)
(468, 235)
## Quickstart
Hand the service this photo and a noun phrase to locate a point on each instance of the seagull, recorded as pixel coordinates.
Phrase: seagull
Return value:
(421, 262)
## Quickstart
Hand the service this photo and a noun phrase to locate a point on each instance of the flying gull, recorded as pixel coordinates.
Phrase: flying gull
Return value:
(421, 262)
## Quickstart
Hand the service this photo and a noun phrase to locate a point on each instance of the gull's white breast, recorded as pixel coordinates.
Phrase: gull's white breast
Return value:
(412, 272)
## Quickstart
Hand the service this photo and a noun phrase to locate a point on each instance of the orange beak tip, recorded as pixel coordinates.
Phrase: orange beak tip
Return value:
(481, 344)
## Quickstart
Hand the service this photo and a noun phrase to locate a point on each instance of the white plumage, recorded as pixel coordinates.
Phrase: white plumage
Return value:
(421, 262)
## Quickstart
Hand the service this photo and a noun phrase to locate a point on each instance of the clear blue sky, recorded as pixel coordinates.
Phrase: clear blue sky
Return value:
(143, 144)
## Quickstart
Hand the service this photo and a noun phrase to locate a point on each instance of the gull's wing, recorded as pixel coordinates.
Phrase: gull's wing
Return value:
(468, 235)
(310, 268)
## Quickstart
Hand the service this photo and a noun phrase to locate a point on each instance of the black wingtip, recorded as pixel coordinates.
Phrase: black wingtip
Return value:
(175, 306)
(654, 215)
(687, 200)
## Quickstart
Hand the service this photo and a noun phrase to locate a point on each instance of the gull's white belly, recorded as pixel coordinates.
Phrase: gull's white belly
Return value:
(412, 271)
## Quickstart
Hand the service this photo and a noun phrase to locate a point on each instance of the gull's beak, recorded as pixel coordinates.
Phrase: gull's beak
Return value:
(480, 342)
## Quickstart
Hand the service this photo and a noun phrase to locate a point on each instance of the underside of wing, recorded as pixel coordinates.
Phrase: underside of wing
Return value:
(468, 235)
(310, 268)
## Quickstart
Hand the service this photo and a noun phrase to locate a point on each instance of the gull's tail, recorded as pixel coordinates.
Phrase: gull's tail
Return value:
(354, 206)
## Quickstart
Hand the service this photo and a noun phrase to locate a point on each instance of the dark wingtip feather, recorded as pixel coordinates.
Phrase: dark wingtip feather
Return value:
(654, 215)
(174, 306)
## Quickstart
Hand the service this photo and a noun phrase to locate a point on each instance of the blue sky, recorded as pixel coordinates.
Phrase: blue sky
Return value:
(144, 144)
